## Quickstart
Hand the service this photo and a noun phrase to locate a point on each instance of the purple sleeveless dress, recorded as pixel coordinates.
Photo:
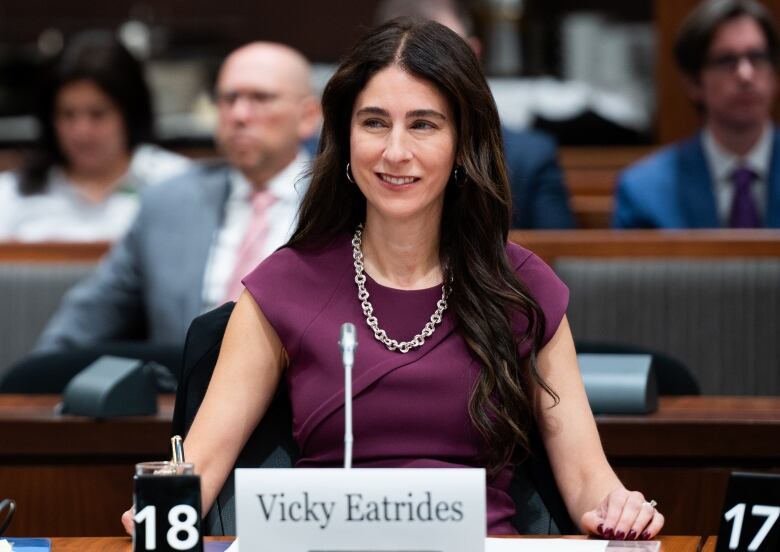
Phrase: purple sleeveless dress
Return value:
(409, 410)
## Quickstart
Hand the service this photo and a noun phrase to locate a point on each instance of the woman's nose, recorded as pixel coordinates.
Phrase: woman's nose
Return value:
(397, 149)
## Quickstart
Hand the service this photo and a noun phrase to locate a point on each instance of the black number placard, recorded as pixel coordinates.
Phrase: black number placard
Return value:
(167, 514)
(751, 515)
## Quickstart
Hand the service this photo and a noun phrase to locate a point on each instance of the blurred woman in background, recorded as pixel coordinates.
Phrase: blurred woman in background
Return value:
(93, 157)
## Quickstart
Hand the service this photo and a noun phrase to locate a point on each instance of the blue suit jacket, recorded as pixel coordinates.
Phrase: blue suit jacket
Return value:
(673, 189)
(539, 196)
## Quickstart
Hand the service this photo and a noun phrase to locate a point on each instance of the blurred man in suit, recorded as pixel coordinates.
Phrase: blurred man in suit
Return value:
(539, 195)
(196, 236)
(728, 175)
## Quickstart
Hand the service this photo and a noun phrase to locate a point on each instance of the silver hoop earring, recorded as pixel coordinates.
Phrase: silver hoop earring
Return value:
(349, 175)
(455, 174)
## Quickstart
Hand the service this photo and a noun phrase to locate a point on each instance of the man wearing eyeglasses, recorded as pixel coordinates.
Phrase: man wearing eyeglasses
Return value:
(196, 236)
(728, 175)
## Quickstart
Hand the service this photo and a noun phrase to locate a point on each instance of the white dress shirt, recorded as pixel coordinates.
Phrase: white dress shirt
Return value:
(722, 164)
(288, 187)
(62, 213)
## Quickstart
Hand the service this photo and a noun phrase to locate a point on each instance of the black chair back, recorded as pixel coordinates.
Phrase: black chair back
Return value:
(271, 445)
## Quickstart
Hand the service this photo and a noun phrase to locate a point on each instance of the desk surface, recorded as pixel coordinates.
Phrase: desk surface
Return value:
(122, 544)
(710, 544)
(103, 544)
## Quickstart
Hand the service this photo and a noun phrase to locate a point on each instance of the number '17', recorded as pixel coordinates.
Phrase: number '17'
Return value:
(737, 513)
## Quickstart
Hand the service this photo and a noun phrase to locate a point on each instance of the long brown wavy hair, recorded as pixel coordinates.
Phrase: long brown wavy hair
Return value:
(485, 292)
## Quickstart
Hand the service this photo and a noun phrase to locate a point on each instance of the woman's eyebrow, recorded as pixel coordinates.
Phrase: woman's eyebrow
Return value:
(425, 113)
(373, 111)
(370, 110)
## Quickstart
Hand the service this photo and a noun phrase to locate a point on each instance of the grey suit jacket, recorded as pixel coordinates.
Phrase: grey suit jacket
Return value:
(150, 285)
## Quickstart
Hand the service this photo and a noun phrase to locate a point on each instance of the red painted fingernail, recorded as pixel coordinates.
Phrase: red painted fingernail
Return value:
(600, 529)
(620, 535)
(631, 535)
(608, 532)
(645, 536)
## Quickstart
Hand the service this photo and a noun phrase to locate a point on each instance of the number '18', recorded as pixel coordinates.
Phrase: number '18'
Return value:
(178, 525)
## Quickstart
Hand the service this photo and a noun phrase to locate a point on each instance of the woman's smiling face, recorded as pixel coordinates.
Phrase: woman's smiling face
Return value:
(402, 145)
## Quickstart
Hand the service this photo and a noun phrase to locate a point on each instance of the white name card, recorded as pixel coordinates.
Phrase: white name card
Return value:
(337, 510)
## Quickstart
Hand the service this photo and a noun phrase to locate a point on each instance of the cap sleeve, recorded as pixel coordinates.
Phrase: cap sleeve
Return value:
(292, 287)
(274, 290)
(547, 289)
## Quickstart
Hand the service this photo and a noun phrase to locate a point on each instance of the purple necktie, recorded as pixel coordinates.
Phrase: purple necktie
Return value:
(744, 213)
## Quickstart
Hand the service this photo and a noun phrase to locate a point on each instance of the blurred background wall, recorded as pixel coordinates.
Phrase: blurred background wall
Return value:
(589, 71)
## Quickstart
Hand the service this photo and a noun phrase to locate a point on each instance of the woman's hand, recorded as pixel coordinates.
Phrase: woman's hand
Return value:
(623, 515)
(127, 521)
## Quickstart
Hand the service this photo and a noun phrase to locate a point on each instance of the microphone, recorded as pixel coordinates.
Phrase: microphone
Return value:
(348, 344)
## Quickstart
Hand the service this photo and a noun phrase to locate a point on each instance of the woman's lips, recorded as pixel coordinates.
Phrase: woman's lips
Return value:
(397, 180)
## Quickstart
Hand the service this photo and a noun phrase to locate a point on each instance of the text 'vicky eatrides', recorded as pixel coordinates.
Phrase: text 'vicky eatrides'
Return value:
(276, 507)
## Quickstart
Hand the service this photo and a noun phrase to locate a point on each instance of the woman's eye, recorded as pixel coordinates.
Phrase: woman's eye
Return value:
(423, 125)
(373, 123)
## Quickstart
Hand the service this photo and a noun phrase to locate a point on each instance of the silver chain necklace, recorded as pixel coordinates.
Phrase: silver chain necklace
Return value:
(368, 308)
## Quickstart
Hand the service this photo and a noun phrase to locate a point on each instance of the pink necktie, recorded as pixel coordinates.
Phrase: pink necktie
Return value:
(252, 248)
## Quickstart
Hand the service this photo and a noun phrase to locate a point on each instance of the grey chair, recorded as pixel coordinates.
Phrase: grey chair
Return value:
(541, 509)
(719, 317)
(29, 295)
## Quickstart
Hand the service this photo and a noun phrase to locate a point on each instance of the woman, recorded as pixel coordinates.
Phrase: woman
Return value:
(95, 118)
(404, 231)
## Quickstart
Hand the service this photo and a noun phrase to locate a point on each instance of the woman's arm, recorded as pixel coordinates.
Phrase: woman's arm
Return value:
(593, 494)
(245, 378)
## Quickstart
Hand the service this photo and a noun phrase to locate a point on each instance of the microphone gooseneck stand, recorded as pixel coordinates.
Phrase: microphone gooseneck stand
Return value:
(348, 344)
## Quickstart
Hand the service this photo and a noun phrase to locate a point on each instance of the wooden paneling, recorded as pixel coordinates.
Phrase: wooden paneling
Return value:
(726, 429)
(73, 476)
(548, 244)
(551, 244)
(47, 252)
(690, 498)
(62, 499)
(682, 455)
(590, 174)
